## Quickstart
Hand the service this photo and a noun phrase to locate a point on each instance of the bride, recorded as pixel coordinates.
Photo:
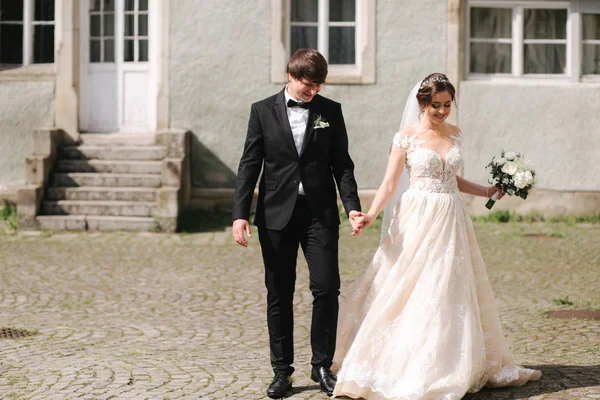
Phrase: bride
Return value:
(422, 323)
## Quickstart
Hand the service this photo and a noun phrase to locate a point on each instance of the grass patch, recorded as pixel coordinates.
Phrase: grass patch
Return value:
(563, 301)
(8, 214)
(504, 216)
(594, 350)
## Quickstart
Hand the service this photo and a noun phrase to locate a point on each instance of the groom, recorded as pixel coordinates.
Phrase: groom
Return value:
(299, 140)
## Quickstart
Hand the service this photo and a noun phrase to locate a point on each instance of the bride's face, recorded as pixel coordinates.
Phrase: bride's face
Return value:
(440, 108)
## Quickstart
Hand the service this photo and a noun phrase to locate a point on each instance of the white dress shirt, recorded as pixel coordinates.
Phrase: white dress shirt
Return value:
(298, 118)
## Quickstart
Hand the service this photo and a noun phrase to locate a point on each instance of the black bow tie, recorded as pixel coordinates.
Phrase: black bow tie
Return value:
(292, 103)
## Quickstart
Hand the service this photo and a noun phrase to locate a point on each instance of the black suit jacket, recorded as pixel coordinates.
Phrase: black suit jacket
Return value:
(324, 159)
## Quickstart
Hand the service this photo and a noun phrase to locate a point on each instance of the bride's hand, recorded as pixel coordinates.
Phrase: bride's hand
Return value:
(490, 190)
(363, 221)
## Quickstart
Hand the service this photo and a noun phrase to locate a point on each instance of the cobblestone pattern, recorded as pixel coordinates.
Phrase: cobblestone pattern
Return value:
(156, 316)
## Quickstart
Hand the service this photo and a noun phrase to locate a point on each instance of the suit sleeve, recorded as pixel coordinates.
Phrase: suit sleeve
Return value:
(249, 168)
(343, 167)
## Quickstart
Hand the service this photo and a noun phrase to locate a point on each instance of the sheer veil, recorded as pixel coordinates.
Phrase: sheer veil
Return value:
(410, 117)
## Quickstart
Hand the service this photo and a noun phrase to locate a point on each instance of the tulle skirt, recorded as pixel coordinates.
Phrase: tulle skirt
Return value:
(422, 323)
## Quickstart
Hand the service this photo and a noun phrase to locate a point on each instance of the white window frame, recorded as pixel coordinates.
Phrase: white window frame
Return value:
(362, 72)
(573, 40)
(586, 7)
(28, 32)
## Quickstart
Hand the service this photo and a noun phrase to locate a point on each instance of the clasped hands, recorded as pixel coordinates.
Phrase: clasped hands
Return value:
(359, 221)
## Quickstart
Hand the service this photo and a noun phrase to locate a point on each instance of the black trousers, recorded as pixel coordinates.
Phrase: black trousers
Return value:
(280, 253)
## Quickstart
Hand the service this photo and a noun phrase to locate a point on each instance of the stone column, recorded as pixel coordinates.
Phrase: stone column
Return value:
(67, 67)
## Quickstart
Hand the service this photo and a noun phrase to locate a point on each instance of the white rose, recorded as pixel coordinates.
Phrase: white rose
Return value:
(510, 155)
(521, 165)
(528, 177)
(530, 165)
(510, 168)
(520, 180)
(501, 161)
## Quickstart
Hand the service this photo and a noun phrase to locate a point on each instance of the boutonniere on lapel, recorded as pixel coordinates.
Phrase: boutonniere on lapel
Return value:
(320, 122)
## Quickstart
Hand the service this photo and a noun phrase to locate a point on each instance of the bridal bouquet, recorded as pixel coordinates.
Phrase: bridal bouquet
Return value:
(512, 173)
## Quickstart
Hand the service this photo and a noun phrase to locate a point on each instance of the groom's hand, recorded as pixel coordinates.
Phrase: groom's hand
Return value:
(357, 221)
(239, 227)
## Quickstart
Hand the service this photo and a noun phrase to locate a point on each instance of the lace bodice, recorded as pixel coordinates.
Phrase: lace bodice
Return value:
(427, 170)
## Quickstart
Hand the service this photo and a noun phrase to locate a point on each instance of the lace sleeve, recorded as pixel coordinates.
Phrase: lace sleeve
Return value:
(406, 142)
(458, 139)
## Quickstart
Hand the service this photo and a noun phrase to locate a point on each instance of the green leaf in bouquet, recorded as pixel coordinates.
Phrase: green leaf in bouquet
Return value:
(523, 195)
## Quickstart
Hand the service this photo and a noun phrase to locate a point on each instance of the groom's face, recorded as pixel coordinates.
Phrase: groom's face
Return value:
(303, 89)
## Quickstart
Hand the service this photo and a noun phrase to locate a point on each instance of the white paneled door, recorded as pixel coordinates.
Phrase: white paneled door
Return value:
(116, 74)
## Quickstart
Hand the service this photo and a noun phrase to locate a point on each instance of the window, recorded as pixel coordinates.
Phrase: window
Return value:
(136, 31)
(329, 27)
(342, 30)
(102, 31)
(590, 54)
(26, 32)
(535, 38)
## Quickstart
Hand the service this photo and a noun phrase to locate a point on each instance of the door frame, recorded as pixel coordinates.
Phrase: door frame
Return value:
(68, 62)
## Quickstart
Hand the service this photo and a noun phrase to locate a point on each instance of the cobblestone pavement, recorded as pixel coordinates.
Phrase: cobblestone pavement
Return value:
(156, 316)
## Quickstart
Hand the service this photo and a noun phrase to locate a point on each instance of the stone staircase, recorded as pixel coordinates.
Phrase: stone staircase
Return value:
(114, 182)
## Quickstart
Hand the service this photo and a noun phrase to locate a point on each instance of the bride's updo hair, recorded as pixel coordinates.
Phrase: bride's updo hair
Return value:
(433, 84)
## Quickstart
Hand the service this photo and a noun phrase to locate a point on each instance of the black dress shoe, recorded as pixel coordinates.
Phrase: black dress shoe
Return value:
(282, 383)
(325, 378)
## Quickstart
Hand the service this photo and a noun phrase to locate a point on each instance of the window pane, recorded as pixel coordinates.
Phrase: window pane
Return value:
(143, 25)
(545, 24)
(491, 58)
(143, 5)
(94, 5)
(11, 10)
(305, 10)
(342, 10)
(109, 25)
(143, 49)
(109, 50)
(342, 45)
(95, 51)
(44, 10)
(590, 59)
(303, 37)
(109, 5)
(95, 26)
(43, 44)
(129, 5)
(489, 23)
(11, 50)
(591, 26)
(128, 50)
(545, 58)
(129, 25)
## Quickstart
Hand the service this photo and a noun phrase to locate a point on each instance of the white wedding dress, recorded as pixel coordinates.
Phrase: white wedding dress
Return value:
(422, 322)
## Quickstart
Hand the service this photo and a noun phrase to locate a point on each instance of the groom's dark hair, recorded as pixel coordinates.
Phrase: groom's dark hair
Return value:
(308, 64)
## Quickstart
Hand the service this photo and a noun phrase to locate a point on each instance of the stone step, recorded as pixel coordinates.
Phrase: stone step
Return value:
(111, 180)
(104, 208)
(95, 223)
(109, 166)
(101, 193)
(113, 152)
(117, 139)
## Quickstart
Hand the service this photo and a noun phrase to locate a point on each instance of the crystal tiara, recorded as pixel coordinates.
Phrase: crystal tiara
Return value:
(426, 82)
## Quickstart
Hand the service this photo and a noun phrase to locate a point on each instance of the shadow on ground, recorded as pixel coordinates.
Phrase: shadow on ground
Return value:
(201, 220)
(555, 378)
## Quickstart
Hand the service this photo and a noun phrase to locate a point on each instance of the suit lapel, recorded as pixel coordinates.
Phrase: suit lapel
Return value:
(281, 112)
(310, 125)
